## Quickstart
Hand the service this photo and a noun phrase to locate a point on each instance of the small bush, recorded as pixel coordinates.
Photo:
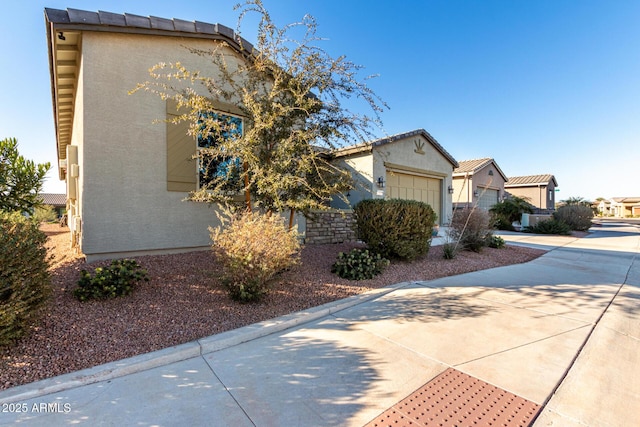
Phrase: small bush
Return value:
(25, 283)
(496, 242)
(469, 228)
(450, 250)
(359, 264)
(577, 217)
(395, 228)
(549, 226)
(45, 213)
(508, 211)
(252, 249)
(500, 223)
(119, 279)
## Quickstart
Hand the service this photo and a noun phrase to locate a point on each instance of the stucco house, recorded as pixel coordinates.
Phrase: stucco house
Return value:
(540, 190)
(478, 181)
(620, 207)
(56, 200)
(410, 165)
(128, 172)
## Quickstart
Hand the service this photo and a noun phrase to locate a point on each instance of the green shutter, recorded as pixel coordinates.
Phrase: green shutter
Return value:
(181, 166)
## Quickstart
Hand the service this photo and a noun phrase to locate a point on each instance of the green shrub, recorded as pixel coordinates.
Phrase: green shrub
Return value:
(496, 242)
(501, 223)
(359, 264)
(45, 213)
(508, 211)
(450, 250)
(395, 228)
(578, 217)
(549, 226)
(469, 228)
(252, 249)
(25, 283)
(119, 279)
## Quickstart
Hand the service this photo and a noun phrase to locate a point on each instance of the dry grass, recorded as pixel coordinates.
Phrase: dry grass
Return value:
(184, 301)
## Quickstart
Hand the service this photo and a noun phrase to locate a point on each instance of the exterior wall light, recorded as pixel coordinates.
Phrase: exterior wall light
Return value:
(476, 193)
(450, 189)
(380, 182)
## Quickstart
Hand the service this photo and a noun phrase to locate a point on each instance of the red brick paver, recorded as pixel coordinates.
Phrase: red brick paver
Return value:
(454, 398)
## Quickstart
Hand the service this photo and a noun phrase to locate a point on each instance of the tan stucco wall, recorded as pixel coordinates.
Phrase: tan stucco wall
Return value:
(432, 164)
(463, 191)
(361, 168)
(537, 196)
(125, 202)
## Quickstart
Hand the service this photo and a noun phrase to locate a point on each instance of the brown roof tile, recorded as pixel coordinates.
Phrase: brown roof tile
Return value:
(523, 181)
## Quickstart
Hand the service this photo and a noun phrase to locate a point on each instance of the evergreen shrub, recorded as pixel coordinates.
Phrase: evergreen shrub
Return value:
(395, 228)
(549, 226)
(118, 279)
(25, 283)
(359, 264)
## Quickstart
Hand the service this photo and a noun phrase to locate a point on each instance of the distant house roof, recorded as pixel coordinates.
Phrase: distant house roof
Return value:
(472, 166)
(626, 199)
(368, 146)
(54, 199)
(530, 180)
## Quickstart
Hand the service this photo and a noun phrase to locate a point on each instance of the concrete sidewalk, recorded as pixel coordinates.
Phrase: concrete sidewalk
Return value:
(562, 331)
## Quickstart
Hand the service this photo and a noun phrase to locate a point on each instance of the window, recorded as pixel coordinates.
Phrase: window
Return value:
(219, 127)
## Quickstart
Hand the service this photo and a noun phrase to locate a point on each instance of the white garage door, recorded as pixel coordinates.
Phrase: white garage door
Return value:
(487, 198)
(414, 187)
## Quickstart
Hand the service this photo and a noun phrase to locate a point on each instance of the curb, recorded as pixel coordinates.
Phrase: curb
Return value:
(197, 348)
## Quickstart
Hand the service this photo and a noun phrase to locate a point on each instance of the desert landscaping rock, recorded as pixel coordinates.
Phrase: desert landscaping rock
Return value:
(185, 301)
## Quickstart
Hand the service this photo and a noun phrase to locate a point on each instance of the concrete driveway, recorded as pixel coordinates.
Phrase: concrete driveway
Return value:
(561, 332)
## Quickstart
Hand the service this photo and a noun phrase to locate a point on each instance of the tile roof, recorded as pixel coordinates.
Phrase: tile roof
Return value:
(107, 21)
(473, 166)
(626, 199)
(389, 139)
(54, 199)
(523, 181)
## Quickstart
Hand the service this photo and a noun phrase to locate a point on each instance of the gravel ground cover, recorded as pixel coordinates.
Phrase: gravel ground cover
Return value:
(184, 301)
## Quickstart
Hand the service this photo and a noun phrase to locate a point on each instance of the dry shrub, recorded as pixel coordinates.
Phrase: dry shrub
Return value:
(470, 228)
(578, 217)
(252, 249)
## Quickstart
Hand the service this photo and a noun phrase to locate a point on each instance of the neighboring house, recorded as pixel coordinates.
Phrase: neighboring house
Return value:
(410, 165)
(478, 181)
(127, 175)
(620, 207)
(539, 190)
(58, 201)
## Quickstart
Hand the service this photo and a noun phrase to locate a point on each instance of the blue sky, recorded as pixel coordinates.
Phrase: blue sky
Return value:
(545, 86)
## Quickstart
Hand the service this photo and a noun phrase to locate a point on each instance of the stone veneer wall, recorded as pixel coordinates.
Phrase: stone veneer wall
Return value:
(333, 226)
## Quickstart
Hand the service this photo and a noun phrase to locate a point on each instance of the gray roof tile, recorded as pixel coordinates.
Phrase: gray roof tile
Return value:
(137, 21)
(83, 17)
(186, 26)
(161, 23)
(108, 18)
(205, 28)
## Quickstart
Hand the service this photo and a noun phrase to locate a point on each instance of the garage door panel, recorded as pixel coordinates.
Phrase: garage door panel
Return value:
(413, 187)
(488, 198)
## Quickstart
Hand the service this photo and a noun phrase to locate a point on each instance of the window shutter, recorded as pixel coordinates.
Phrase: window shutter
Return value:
(181, 147)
